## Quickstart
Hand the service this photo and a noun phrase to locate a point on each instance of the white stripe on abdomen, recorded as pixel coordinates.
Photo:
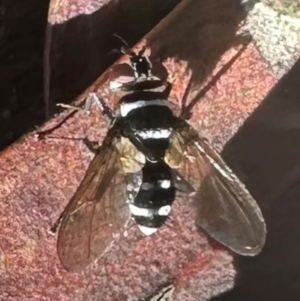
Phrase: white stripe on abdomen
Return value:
(147, 212)
(146, 230)
(154, 134)
(137, 211)
(127, 107)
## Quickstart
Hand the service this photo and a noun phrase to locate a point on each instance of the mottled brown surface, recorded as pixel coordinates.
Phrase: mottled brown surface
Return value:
(38, 178)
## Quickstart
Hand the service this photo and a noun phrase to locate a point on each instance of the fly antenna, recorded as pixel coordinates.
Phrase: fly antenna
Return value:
(121, 39)
(125, 50)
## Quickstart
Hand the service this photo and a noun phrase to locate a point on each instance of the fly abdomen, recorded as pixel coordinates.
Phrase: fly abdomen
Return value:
(151, 205)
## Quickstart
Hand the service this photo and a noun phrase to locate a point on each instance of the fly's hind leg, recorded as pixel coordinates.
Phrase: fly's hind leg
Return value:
(92, 146)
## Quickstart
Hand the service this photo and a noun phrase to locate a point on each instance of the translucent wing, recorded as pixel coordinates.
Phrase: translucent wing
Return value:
(96, 211)
(225, 208)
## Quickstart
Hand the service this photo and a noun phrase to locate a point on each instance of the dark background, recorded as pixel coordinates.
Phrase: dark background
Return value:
(23, 26)
(267, 149)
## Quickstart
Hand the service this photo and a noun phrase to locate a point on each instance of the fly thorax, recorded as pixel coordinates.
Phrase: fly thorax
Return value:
(150, 122)
(150, 118)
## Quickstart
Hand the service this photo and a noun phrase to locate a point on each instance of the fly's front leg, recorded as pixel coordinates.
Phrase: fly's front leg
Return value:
(99, 101)
(92, 98)
(102, 105)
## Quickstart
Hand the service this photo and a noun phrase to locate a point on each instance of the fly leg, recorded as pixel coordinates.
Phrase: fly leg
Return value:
(43, 134)
(92, 98)
(102, 105)
(92, 146)
(40, 135)
(87, 106)
(99, 101)
(57, 224)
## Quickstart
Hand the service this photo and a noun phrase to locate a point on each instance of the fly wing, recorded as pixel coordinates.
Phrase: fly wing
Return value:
(95, 213)
(225, 208)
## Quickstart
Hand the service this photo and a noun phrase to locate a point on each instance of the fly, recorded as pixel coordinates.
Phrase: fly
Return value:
(148, 155)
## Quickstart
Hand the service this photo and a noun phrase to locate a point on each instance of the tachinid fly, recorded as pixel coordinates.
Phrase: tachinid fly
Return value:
(147, 156)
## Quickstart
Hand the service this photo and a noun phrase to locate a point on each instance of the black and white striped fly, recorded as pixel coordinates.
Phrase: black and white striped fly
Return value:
(148, 155)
